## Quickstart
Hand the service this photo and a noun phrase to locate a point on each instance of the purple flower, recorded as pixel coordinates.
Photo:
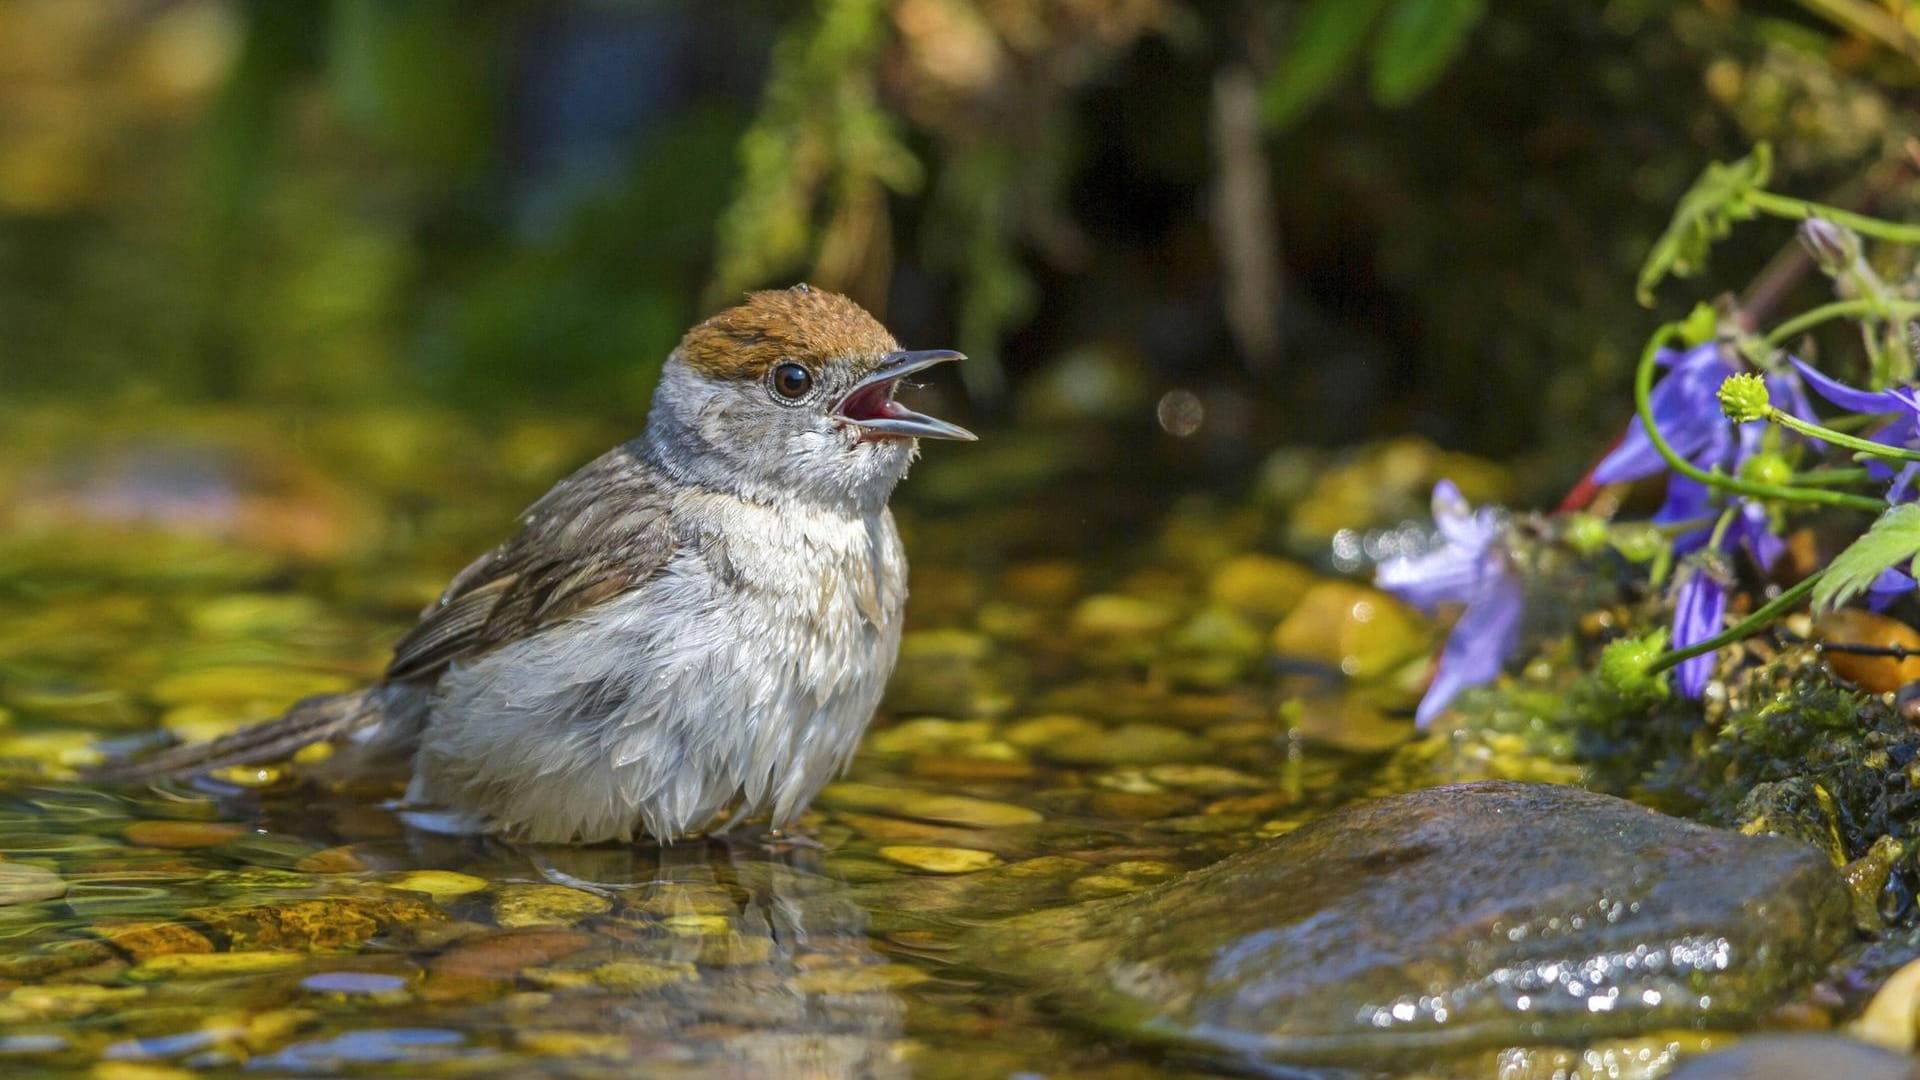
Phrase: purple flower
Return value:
(1686, 405)
(1700, 593)
(1471, 568)
(1699, 610)
(1904, 431)
(1891, 585)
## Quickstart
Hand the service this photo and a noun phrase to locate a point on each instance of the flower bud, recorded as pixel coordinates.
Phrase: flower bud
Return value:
(1586, 534)
(1833, 247)
(1770, 469)
(1638, 543)
(1624, 663)
(1744, 398)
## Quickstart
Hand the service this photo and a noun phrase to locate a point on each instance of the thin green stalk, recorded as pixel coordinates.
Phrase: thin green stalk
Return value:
(1824, 477)
(1746, 627)
(1719, 481)
(1720, 527)
(1787, 206)
(1839, 309)
(1852, 442)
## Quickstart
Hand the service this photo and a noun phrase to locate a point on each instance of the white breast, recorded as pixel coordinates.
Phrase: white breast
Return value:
(740, 677)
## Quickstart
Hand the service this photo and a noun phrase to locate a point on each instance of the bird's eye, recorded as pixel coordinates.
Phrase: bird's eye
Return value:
(791, 381)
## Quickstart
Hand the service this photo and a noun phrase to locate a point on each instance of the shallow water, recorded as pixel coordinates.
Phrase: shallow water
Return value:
(1040, 748)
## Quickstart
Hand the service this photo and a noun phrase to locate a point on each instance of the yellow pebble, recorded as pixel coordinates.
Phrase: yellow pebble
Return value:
(696, 925)
(546, 905)
(940, 860)
(211, 965)
(137, 1070)
(439, 884)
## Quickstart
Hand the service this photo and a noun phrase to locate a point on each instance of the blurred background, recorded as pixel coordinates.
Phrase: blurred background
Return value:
(1246, 224)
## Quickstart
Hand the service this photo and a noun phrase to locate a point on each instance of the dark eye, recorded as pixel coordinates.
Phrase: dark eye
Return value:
(791, 381)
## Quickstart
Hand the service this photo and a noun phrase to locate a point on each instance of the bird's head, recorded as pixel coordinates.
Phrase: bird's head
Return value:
(791, 394)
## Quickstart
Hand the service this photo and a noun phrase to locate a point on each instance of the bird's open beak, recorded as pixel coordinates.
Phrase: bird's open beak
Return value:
(870, 405)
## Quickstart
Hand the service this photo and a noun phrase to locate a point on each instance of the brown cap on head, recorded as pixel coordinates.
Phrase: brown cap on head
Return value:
(801, 324)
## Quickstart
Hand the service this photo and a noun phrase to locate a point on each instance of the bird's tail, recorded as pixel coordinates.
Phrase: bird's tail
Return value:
(310, 720)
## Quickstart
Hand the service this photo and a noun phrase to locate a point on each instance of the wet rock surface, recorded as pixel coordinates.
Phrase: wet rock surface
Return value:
(1443, 920)
(1798, 1057)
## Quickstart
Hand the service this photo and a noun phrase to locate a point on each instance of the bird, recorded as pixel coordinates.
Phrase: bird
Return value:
(691, 631)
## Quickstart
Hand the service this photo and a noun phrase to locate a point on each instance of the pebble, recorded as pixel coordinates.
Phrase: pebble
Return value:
(945, 809)
(183, 834)
(1115, 615)
(138, 1070)
(1038, 731)
(629, 976)
(1361, 631)
(546, 905)
(442, 885)
(939, 860)
(927, 734)
(146, 940)
(333, 860)
(1129, 744)
(1260, 585)
(1204, 778)
(213, 965)
(334, 922)
(354, 982)
(1892, 1018)
(22, 883)
(1876, 674)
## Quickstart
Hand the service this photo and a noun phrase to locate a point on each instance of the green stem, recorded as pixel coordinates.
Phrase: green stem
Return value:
(1839, 309)
(1800, 209)
(1720, 527)
(1823, 477)
(1746, 627)
(1719, 481)
(1852, 442)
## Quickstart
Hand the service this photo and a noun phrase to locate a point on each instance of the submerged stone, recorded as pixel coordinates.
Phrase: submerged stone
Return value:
(546, 905)
(1361, 631)
(21, 883)
(1445, 920)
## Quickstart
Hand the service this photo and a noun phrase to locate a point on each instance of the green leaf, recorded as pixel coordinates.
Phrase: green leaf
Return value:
(1325, 43)
(1893, 539)
(1706, 213)
(1418, 41)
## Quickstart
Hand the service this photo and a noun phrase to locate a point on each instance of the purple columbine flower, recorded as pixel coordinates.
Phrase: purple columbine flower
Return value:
(1699, 610)
(1687, 407)
(1472, 568)
(1903, 402)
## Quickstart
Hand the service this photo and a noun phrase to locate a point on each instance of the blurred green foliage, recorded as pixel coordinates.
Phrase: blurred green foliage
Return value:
(509, 206)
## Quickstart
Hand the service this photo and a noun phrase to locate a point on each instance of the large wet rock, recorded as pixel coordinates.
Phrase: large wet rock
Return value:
(1445, 920)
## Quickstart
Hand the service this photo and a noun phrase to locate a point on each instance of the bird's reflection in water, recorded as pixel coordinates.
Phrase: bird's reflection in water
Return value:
(709, 958)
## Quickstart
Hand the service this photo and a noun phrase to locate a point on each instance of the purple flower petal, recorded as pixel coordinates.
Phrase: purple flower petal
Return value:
(1479, 645)
(1753, 528)
(1686, 407)
(1699, 609)
(1687, 500)
(1891, 585)
(1848, 398)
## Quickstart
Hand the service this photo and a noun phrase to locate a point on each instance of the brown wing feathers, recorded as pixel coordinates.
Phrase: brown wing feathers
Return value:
(600, 532)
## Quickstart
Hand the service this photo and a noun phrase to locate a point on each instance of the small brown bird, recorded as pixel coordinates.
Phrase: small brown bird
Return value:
(691, 631)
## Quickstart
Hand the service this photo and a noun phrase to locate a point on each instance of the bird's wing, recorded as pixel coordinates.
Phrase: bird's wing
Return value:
(599, 533)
